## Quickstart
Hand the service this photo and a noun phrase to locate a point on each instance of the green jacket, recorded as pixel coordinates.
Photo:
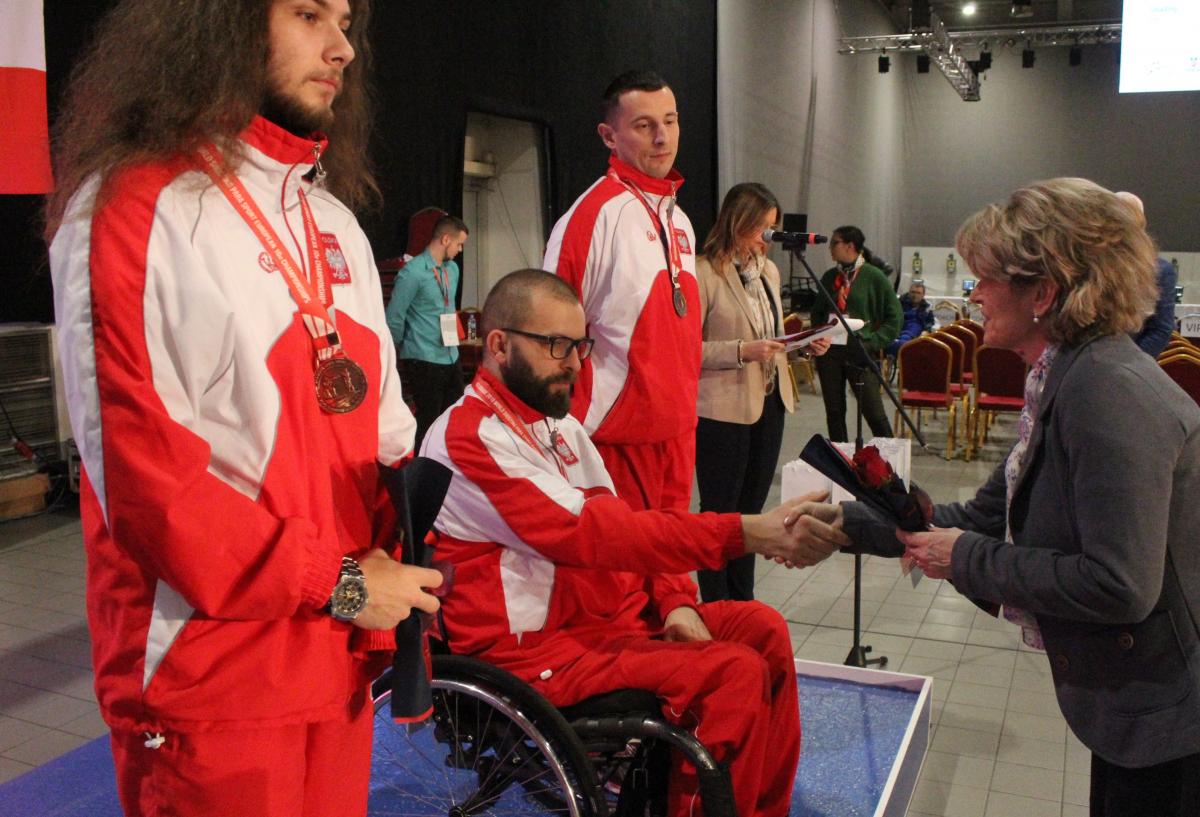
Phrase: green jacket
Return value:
(871, 300)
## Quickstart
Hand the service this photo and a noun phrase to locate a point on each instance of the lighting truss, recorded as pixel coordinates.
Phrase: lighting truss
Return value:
(945, 47)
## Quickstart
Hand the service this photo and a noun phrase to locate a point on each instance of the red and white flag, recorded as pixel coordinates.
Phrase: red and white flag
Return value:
(25, 156)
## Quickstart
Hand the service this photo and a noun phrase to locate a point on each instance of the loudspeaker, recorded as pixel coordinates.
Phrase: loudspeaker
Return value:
(795, 222)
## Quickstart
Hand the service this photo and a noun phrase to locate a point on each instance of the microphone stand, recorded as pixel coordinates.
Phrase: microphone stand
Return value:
(857, 657)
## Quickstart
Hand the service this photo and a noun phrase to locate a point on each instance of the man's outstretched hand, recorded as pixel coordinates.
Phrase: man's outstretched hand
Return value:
(799, 533)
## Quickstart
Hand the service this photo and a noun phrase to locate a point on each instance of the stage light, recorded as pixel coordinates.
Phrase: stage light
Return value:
(968, 9)
(922, 63)
(1021, 8)
(1027, 58)
(885, 64)
(1075, 56)
(985, 60)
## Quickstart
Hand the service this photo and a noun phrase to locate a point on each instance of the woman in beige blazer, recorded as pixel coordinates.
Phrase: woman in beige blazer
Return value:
(745, 389)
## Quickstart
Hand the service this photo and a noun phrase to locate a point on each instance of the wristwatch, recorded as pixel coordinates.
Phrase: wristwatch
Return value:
(349, 595)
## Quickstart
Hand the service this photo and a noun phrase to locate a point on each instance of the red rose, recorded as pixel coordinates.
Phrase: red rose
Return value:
(872, 469)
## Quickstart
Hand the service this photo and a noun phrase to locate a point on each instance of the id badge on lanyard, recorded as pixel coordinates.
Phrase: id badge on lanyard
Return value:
(449, 327)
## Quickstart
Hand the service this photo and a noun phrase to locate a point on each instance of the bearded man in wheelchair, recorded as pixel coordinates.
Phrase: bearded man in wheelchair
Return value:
(561, 583)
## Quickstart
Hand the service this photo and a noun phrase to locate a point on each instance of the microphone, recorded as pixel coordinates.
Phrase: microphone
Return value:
(781, 237)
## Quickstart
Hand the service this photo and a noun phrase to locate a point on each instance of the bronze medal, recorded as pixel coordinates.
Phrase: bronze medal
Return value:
(341, 385)
(680, 303)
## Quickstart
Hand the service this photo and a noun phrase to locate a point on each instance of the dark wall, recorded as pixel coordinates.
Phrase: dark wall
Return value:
(545, 61)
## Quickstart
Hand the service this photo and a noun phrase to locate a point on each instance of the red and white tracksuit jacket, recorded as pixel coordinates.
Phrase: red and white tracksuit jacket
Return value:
(556, 580)
(218, 497)
(640, 383)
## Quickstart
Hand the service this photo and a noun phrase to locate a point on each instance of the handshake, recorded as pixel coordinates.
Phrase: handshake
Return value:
(799, 533)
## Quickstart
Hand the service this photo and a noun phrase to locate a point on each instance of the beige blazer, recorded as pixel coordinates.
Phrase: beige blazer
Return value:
(728, 392)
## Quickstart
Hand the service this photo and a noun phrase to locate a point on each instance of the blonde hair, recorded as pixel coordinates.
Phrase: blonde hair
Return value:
(743, 208)
(1079, 236)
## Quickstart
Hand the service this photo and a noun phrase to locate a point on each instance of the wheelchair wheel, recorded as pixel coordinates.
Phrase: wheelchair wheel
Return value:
(493, 746)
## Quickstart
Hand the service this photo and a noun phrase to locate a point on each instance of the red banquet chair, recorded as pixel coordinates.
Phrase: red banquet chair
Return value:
(975, 327)
(958, 386)
(970, 343)
(925, 365)
(999, 386)
(1184, 369)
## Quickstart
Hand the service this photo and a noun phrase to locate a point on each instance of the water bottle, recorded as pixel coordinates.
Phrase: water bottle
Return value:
(471, 330)
(916, 263)
(951, 264)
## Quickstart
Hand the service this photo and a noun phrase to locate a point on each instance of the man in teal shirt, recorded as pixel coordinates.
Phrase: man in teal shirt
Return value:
(862, 291)
(427, 342)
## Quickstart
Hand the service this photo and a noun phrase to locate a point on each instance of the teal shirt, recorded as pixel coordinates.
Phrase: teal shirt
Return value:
(414, 309)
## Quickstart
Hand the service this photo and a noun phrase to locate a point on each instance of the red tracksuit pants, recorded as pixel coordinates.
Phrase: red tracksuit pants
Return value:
(299, 770)
(737, 694)
(654, 476)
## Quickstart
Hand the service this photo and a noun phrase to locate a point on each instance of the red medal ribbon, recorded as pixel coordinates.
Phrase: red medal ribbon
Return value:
(670, 243)
(511, 420)
(314, 307)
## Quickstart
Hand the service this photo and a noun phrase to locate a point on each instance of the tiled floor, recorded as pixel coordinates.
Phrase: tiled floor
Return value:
(999, 747)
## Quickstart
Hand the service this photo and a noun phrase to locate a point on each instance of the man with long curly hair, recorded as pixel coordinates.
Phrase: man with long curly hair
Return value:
(231, 383)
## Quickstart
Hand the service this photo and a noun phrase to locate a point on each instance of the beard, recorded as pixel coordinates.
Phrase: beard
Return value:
(535, 391)
(293, 117)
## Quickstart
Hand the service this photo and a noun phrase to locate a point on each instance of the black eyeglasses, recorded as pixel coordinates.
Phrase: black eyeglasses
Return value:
(560, 345)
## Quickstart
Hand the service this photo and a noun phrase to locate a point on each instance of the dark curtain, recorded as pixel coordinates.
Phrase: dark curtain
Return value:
(543, 61)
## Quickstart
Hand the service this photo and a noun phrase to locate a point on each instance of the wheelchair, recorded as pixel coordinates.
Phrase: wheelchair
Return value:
(495, 747)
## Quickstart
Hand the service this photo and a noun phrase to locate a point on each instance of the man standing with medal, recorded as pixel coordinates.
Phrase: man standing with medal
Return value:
(232, 385)
(424, 322)
(628, 251)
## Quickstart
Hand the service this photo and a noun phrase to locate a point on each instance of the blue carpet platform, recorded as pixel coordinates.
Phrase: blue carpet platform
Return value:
(865, 733)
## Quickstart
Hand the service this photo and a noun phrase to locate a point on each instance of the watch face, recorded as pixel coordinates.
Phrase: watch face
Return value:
(349, 598)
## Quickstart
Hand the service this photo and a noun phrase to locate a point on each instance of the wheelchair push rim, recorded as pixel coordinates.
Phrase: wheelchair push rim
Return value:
(488, 750)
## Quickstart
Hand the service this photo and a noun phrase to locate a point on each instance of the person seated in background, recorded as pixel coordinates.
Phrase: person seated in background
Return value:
(1156, 330)
(918, 317)
(555, 575)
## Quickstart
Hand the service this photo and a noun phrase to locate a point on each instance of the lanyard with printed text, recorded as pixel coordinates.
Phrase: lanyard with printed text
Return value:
(340, 382)
(443, 285)
(670, 243)
(512, 421)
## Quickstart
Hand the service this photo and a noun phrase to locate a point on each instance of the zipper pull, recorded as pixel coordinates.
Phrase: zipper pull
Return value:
(319, 179)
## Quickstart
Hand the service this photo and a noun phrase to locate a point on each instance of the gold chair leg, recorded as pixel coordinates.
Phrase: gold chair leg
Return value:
(952, 427)
(970, 433)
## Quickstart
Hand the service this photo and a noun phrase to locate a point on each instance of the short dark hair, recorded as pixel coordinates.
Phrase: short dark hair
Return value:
(637, 80)
(510, 301)
(851, 235)
(448, 225)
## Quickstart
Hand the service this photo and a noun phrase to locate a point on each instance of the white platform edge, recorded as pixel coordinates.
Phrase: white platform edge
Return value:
(910, 756)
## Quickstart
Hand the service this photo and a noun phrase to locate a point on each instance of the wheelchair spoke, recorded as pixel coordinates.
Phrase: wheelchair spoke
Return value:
(493, 763)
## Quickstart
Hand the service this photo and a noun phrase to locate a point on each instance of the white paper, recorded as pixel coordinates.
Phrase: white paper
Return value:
(834, 331)
(449, 325)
